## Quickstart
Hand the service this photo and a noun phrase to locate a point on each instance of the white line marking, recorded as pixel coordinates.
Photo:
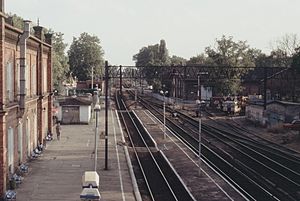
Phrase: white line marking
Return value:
(195, 162)
(118, 158)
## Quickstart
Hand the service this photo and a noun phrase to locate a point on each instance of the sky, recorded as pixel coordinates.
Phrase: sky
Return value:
(187, 26)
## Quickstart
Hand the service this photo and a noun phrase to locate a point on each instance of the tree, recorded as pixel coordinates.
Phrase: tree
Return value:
(230, 57)
(201, 59)
(17, 21)
(153, 55)
(296, 60)
(177, 61)
(285, 48)
(86, 54)
(287, 44)
(152, 58)
(60, 60)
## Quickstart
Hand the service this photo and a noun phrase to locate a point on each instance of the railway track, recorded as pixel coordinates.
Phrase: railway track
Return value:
(257, 171)
(158, 178)
(236, 131)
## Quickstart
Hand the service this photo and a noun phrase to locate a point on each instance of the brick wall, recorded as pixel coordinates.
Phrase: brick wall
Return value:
(2, 112)
(37, 103)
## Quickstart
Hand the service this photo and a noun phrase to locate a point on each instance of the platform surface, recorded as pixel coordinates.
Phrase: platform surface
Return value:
(57, 174)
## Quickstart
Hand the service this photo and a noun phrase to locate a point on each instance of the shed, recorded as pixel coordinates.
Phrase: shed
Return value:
(74, 110)
(282, 112)
(277, 112)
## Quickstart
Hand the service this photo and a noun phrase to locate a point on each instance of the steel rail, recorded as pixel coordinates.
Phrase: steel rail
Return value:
(245, 179)
(135, 121)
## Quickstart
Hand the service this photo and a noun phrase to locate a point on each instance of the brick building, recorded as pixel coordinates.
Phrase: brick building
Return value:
(25, 93)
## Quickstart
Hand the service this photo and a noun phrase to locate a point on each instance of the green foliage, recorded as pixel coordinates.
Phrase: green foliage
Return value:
(152, 58)
(277, 58)
(296, 60)
(17, 21)
(60, 60)
(285, 48)
(156, 84)
(202, 60)
(153, 55)
(177, 61)
(86, 53)
(229, 53)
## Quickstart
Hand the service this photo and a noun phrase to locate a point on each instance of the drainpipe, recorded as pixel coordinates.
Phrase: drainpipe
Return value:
(23, 51)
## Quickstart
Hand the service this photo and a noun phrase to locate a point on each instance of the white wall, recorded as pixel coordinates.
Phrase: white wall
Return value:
(255, 113)
(206, 93)
(85, 113)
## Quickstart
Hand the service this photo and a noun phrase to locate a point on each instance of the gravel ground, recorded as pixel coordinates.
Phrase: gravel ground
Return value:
(279, 135)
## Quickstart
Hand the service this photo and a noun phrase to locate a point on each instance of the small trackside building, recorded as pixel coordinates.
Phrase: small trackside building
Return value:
(277, 112)
(74, 110)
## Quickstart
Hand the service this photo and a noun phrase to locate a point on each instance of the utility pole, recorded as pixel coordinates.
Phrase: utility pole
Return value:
(106, 114)
(92, 84)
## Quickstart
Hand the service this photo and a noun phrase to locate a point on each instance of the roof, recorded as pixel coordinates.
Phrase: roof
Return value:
(74, 101)
(269, 102)
(285, 103)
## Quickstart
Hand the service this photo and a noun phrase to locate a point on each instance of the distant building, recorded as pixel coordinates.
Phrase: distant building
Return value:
(25, 94)
(277, 112)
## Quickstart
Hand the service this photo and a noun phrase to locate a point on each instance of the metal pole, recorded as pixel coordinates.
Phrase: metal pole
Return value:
(200, 143)
(106, 114)
(199, 98)
(265, 87)
(164, 118)
(92, 85)
(121, 80)
(198, 91)
(96, 140)
(135, 97)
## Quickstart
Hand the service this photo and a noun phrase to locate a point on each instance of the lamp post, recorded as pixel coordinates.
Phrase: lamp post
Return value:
(199, 107)
(164, 94)
(97, 110)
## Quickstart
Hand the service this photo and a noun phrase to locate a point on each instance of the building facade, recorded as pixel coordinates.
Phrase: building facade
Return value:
(25, 93)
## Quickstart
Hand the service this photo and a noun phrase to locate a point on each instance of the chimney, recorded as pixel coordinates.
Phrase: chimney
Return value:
(48, 38)
(2, 6)
(38, 32)
(9, 20)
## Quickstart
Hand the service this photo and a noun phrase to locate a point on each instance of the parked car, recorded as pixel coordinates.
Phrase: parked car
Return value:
(294, 125)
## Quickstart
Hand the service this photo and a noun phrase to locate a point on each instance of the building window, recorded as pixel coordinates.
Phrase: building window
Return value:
(45, 77)
(27, 79)
(10, 149)
(17, 79)
(33, 79)
(20, 142)
(28, 143)
(10, 81)
(35, 136)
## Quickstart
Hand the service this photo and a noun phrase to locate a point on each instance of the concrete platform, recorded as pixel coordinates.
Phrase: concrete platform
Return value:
(207, 186)
(57, 174)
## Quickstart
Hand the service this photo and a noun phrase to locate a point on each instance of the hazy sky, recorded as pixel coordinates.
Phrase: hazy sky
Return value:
(188, 26)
